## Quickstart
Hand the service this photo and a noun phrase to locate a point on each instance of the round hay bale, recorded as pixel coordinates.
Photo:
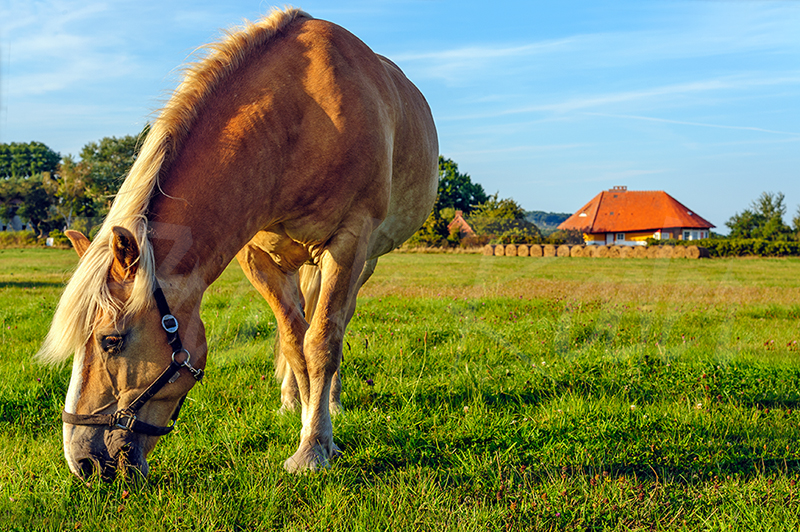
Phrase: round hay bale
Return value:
(665, 252)
(523, 250)
(652, 252)
(601, 252)
(704, 253)
(562, 251)
(548, 250)
(679, 252)
(535, 250)
(499, 250)
(577, 251)
(639, 252)
(511, 250)
(613, 252)
(488, 249)
(692, 252)
(625, 252)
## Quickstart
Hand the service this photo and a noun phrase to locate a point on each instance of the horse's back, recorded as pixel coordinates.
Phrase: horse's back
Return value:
(389, 125)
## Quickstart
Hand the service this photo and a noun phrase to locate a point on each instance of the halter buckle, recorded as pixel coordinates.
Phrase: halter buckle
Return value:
(124, 420)
(170, 323)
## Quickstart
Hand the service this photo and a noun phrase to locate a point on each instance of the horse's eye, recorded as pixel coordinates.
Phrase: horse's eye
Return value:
(112, 344)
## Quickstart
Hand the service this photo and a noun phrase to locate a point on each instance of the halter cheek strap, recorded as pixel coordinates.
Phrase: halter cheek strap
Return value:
(126, 418)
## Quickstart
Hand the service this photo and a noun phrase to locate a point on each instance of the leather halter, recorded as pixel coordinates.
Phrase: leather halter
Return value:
(127, 417)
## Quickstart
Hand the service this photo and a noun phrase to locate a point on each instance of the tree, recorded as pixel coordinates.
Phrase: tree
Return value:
(504, 220)
(25, 169)
(432, 233)
(105, 165)
(73, 191)
(764, 219)
(23, 160)
(456, 190)
(29, 199)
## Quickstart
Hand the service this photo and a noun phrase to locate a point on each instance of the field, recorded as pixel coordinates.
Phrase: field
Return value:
(480, 393)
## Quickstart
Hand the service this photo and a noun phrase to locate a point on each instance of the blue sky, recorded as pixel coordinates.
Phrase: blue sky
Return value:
(545, 102)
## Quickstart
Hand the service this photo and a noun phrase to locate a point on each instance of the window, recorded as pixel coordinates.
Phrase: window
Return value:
(687, 235)
(620, 237)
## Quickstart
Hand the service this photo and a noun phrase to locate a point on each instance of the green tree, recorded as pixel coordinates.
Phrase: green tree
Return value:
(24, 160)
(456, 189)
(29, 199)
(25, 170)
(73, 191)
(764, 219)
(432, 233)
(504, 221)
(105, 164)
(456, 192)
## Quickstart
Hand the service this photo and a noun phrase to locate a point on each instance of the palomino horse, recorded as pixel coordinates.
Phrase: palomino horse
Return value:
(291, 143)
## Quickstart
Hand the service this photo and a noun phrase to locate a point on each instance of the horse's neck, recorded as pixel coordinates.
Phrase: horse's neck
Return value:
(191, 241)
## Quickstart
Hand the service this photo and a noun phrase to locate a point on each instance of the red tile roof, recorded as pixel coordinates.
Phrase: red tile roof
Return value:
(619, 210)
(461, 223)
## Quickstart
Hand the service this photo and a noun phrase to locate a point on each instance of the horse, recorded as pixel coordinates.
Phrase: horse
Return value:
(289, 145)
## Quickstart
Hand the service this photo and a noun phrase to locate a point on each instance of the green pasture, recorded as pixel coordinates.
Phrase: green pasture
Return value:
(480, 393)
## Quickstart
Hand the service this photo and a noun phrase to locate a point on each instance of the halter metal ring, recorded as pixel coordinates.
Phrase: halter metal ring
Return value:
(170, 323)
(188, 357)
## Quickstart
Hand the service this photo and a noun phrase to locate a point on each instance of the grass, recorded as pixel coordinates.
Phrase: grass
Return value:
(481, 393)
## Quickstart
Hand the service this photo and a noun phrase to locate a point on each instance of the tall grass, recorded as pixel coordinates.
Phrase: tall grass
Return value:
(481, 393)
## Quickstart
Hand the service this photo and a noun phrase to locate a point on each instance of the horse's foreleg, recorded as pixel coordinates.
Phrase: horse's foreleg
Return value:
(310, 284)
(341, 266)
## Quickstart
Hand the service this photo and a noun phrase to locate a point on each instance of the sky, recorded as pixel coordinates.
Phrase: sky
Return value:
(548, 103)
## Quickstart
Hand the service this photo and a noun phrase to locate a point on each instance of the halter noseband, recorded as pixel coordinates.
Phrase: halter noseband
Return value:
(126, 418)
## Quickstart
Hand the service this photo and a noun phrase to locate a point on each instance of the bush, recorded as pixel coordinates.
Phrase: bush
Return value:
(737, 247)
(18, 239)
(474, 241)
(59, 238)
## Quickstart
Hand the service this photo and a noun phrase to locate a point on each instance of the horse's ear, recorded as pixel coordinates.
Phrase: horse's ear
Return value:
(126, 254)
(79, 241)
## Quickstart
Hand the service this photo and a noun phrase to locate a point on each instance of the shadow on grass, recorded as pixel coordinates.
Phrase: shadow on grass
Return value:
(31, 284)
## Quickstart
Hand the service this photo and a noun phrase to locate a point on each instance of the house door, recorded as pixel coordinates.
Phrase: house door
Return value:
(609, 239)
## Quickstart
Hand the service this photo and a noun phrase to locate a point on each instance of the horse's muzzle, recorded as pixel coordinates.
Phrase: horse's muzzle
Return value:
(107, 454)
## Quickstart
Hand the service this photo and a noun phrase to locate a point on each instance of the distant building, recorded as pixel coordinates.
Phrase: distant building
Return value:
(15, 224)
(622, 217)
(463, 227)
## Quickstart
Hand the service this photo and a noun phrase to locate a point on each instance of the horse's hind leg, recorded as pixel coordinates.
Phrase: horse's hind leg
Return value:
(290, 394)
(281, 292)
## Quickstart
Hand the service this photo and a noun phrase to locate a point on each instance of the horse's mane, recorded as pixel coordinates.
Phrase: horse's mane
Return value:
(87, 294)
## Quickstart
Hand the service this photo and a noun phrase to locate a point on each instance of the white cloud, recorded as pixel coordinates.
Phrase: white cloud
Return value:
(698, 124)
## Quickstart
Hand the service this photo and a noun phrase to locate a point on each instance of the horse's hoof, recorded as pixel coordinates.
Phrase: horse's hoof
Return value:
(287, 408)
(309, 458)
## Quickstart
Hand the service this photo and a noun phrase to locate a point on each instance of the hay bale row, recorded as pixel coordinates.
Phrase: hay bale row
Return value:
(613, 252)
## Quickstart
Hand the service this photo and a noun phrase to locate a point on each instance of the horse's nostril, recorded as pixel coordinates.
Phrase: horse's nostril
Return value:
(88, 468)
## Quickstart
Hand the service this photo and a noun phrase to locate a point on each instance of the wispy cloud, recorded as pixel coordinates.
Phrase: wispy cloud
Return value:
(651, 95)
(697, 124)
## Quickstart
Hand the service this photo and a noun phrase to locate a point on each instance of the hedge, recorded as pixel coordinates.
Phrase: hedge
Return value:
(737, 247)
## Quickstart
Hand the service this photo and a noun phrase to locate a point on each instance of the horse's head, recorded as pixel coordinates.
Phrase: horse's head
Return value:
(130, 376)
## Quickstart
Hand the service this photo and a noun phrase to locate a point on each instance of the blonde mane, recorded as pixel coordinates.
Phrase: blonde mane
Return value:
(87, 294)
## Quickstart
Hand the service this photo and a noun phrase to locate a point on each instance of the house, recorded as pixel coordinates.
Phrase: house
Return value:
(461, 224)
(15, 224)
(622, 217)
